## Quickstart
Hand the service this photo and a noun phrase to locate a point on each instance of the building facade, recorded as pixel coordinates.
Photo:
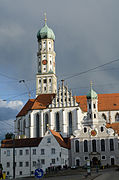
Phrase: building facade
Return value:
(50, 151)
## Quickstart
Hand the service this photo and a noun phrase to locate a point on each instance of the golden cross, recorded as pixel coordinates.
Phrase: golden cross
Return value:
(45, 18)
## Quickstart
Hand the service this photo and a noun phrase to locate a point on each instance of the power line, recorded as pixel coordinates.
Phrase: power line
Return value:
(91, 69)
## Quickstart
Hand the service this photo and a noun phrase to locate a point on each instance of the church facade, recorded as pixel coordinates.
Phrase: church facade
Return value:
(54, 107)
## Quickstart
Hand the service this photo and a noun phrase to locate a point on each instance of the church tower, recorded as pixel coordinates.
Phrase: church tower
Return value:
(92, 107)
(46, 80)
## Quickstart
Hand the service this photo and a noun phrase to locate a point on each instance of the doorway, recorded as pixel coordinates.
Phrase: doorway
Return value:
(112, 162)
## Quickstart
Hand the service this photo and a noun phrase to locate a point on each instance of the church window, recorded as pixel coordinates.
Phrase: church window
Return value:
(24, 126)
(102, 128)
(44, 42)
(85, 129)
(37, 125)
(102, 145)
(104, 116)
(90, 115)
(46, 122)
(111, 145)
(57, 100)
(85, 146)
(45, 80)
(117, 117)
(94, 106)
(70, 123)
(89, 106)
(94, 145)
(94, 115)
(57, 122)
(39, 80)
(103, 157)
(77, 146)
(18, 125)
(49, 80)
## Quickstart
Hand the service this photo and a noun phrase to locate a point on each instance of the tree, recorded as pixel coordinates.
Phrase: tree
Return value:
(9, 135)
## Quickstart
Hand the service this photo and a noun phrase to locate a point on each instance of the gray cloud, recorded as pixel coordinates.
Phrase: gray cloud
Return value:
(86, 36)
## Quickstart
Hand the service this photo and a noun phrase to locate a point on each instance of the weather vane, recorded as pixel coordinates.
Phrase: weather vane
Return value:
(45, 18)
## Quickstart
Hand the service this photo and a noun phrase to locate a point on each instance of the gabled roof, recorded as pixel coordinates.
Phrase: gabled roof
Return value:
(41, 102)
(106, 102)
(18, 143)
(60, 139)
(114, 126)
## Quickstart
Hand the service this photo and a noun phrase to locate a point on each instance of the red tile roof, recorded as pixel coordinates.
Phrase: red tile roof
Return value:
(106, 102)
(41, 102)
(17, 143)
(114, 126)
(60, 139)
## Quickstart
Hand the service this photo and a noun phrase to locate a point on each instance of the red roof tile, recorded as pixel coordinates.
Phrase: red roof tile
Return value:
(27, 142)
(60, 139)
(106, 102)
(41, 102)
(114, 126)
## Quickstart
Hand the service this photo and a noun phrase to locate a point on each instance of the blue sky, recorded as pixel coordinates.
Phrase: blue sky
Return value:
(86, 36)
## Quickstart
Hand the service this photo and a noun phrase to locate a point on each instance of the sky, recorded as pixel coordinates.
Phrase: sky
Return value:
(87, 35)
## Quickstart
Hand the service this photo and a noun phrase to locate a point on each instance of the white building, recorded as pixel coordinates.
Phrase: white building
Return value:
(57, 107)
(95, 140)
(32, 153)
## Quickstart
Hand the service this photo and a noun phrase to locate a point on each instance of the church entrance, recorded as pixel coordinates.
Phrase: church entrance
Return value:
(94, 161)
(112, 161)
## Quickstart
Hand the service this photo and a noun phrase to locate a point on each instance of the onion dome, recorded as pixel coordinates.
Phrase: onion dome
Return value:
(92, 94)
(45, 33)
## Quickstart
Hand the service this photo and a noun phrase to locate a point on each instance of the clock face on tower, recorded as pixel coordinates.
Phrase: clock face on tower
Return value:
(44, 62)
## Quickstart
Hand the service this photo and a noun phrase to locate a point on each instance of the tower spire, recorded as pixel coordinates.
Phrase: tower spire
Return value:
(45, 18)
(91, 84)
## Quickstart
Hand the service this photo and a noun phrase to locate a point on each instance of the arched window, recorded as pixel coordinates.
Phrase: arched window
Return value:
(37, 125)
(18, 125)
(29, 125)
(77, 146)
(85, 129)
(24, 126)
(57, 122)
(29, 120)
(104, 116)
(85, 146)
(111, 145)
(70, 123)
(117, 117)
(46, 122)
(94, 145)
(102, 145)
